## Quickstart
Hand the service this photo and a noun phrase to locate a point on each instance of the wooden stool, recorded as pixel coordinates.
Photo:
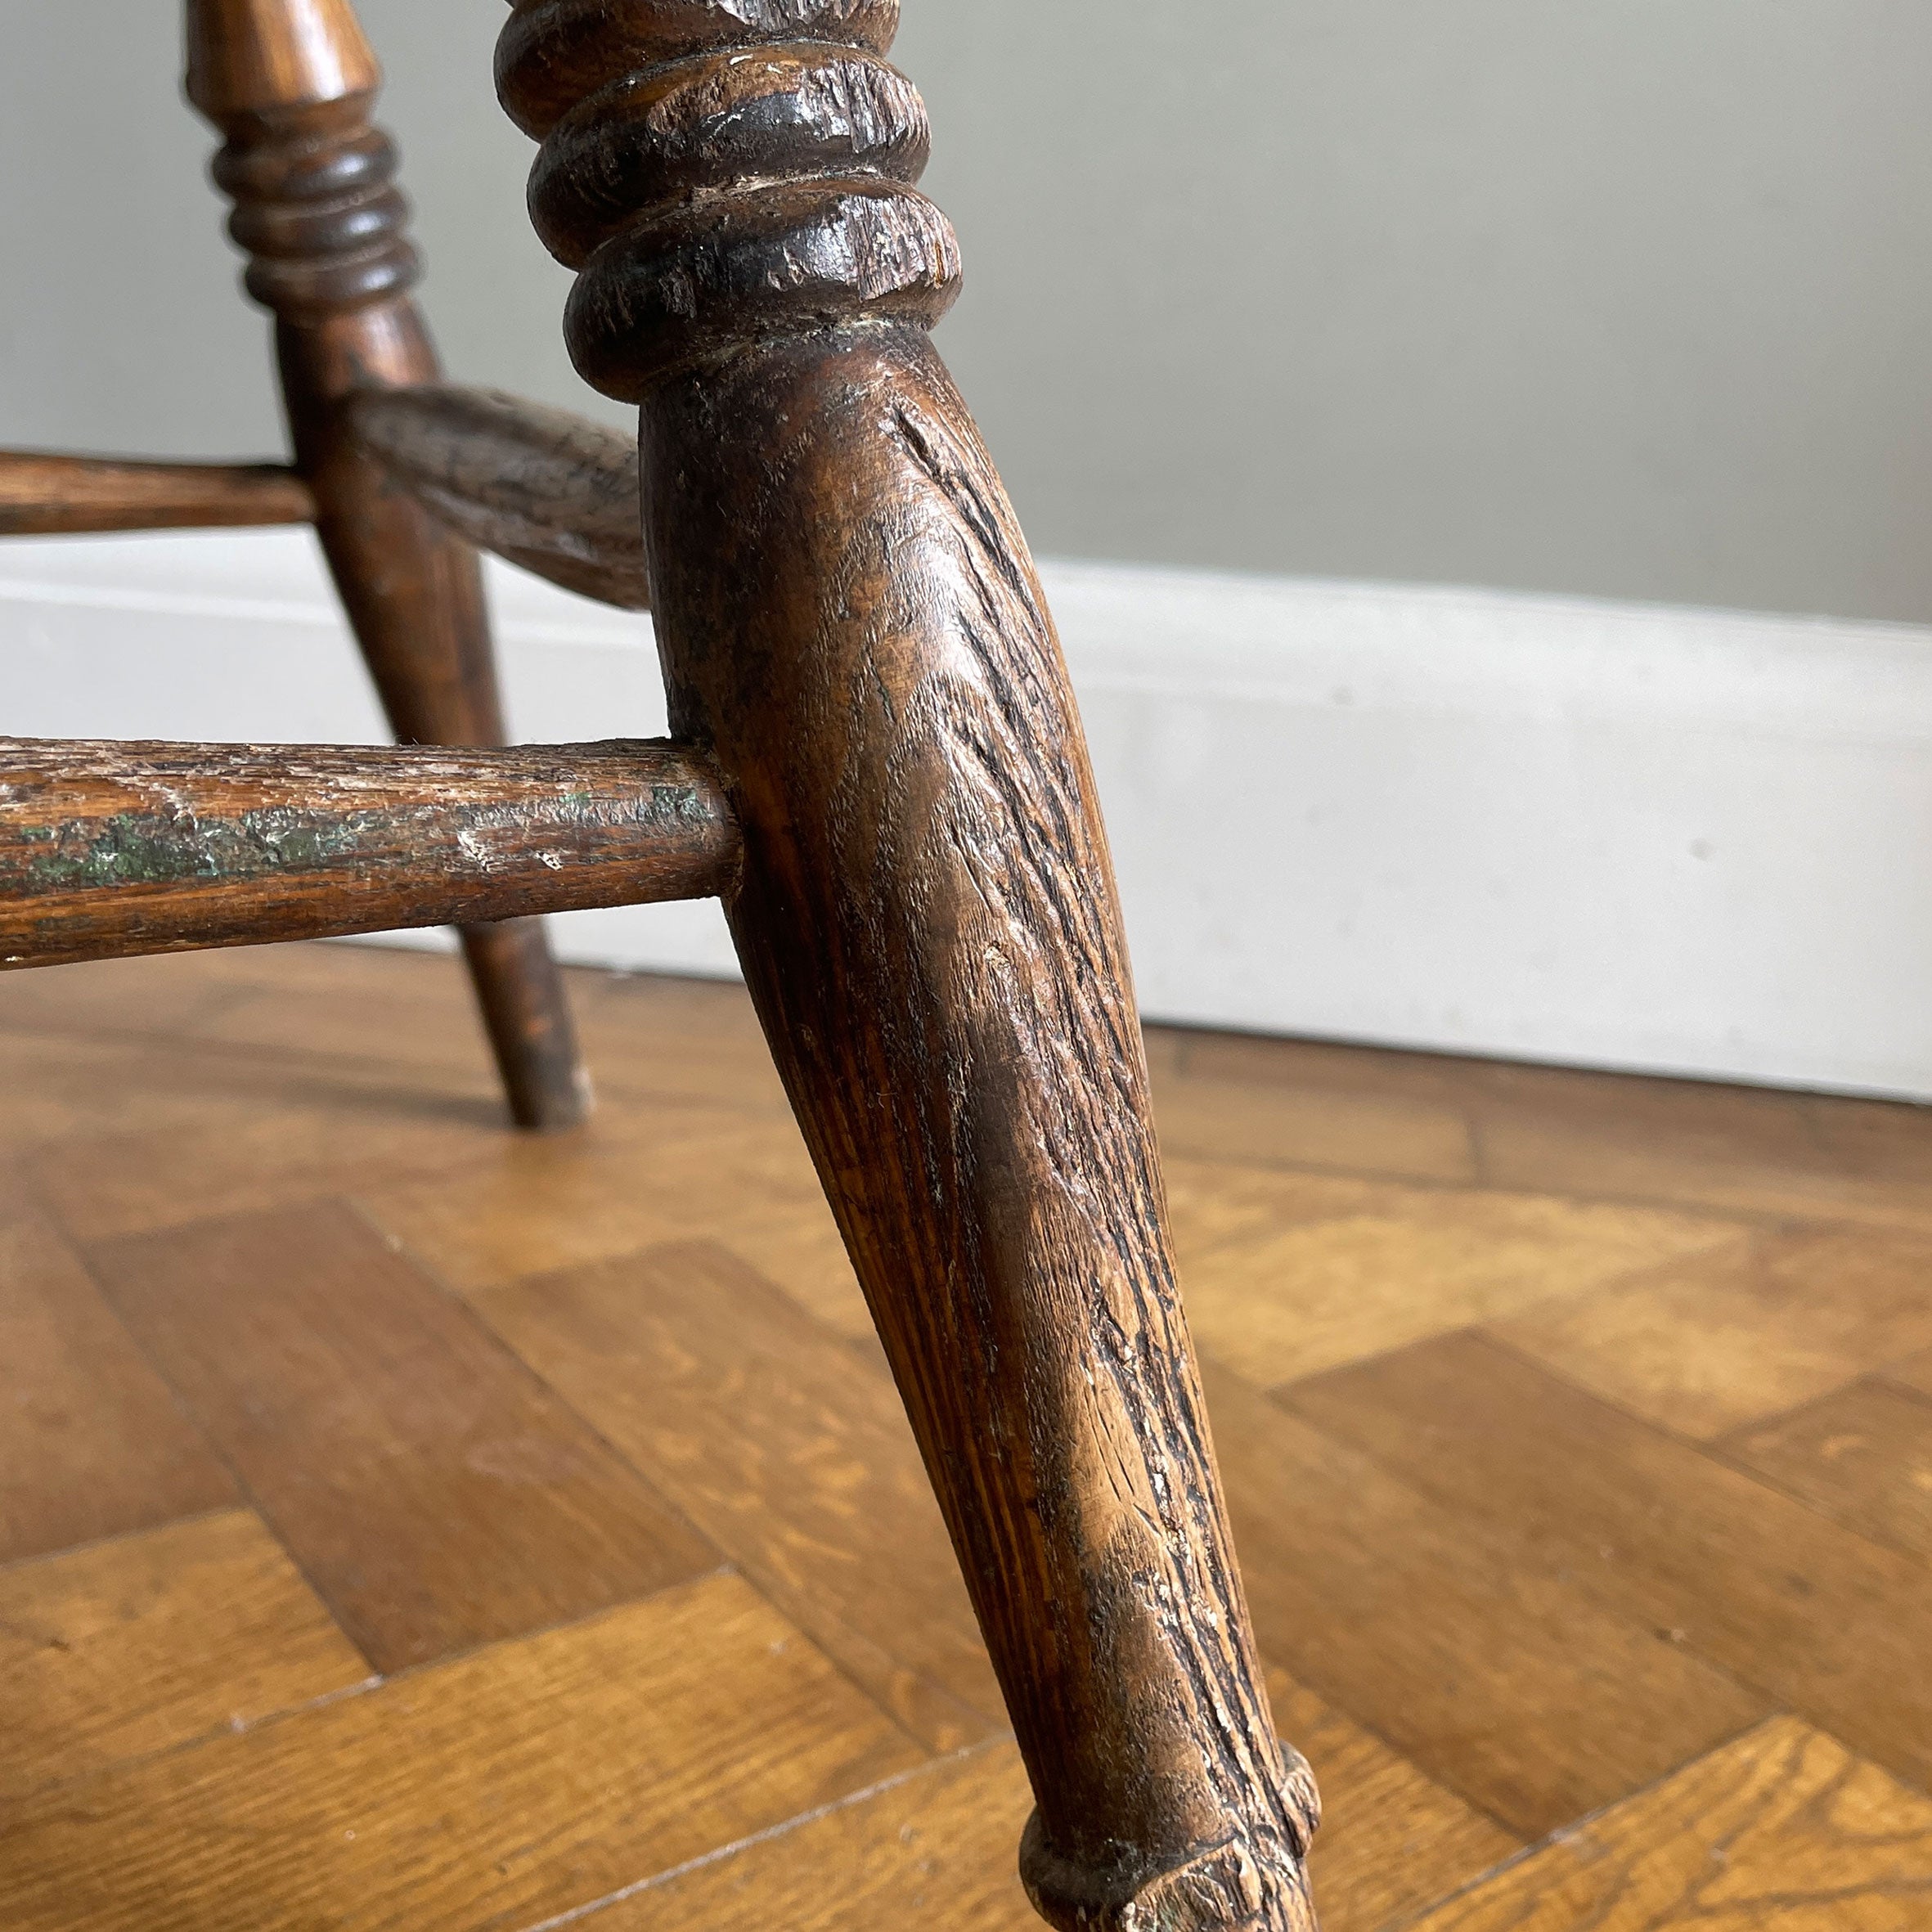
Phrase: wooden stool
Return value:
(877, 765)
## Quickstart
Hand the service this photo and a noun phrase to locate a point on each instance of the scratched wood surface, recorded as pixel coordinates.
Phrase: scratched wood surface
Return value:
(111, 849)
(1584, 1515)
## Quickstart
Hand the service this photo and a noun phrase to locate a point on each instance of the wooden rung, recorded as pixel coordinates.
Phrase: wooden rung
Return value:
(108, 849)
(547, 489)
(44, 495)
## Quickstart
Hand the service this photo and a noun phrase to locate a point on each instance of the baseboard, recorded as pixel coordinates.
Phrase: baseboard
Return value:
(1670, 840)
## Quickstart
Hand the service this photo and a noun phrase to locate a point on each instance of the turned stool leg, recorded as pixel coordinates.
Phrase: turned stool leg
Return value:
(289, 82)
(849, 622)
(928, 922)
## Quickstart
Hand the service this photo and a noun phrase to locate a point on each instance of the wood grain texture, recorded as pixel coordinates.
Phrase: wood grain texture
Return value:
(1786, 1829)
(64, 1088)
(788, 1455)
(935, 1849)
(554, 52)
(926, 915)
(932, 1848)
(1863, 1455)
(44, 495)
(1831, 1625)
(1390, 1596)
(677, 1172)
(318, 211)
(563, 1768)
(1767, 1164)
(148, 1642)
(658, 1041)
(1501, 1680)
(1393, 1840)
(1266, 1124)
(435, 1493)
(245, 56)
(260, 1141)
(91, 1443)
(1740, 1332)
(107, 850)
(545, 488)
(122, 1000)
(1328, 1271)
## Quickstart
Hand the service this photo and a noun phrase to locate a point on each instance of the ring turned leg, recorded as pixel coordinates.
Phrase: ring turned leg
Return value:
(849, 620)
(317, 208)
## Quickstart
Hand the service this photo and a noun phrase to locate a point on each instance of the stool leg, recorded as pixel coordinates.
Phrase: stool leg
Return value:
(848, 620)
(317, 209)
(928, 922)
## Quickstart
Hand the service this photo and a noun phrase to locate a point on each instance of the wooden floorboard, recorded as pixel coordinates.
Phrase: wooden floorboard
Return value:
(1509, 1685)
(1577, 1430)
(434, 1491)
(1862, 1455)
(1784, 1829)
(92, 1442)
(1373, 1270)
(1742, 1331)
(1831, 1623)
(1392, 1840)
(787, 1450)
(522, 1782)
(1914, 1373)
(126, 1648)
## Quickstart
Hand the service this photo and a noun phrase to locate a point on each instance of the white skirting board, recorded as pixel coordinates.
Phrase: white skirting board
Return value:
(1625, 836)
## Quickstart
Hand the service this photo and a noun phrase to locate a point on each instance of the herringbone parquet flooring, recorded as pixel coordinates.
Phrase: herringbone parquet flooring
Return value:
(403, 1525)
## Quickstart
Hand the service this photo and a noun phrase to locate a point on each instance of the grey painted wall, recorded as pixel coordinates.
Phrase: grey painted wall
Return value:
(1631, 297)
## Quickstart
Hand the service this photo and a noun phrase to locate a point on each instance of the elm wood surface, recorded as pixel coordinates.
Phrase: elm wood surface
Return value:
(112, 849)
(316, 210)
(42, 495)
(545, 488)
(436, 1494)
(395, 1084)
(848, 618)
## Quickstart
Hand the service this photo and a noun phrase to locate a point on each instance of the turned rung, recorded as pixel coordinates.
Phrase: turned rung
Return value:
(545, 488)
(108, 849)
(42, 495)
(550, 491)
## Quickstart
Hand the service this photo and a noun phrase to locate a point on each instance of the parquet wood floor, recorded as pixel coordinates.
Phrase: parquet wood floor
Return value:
(406, 1524)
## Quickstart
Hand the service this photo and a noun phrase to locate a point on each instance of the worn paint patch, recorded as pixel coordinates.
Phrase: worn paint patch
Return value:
(160, 848)
(155, 848)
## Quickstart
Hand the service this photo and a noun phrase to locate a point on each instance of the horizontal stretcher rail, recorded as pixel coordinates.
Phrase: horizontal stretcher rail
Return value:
(108, 850)
(552, 490)
(46, 495)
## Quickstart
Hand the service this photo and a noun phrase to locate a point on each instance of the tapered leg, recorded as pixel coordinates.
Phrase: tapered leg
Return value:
(849, 620)
(290, 82)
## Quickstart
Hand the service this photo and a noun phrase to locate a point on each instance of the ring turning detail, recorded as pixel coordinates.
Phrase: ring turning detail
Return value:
(728, 172)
